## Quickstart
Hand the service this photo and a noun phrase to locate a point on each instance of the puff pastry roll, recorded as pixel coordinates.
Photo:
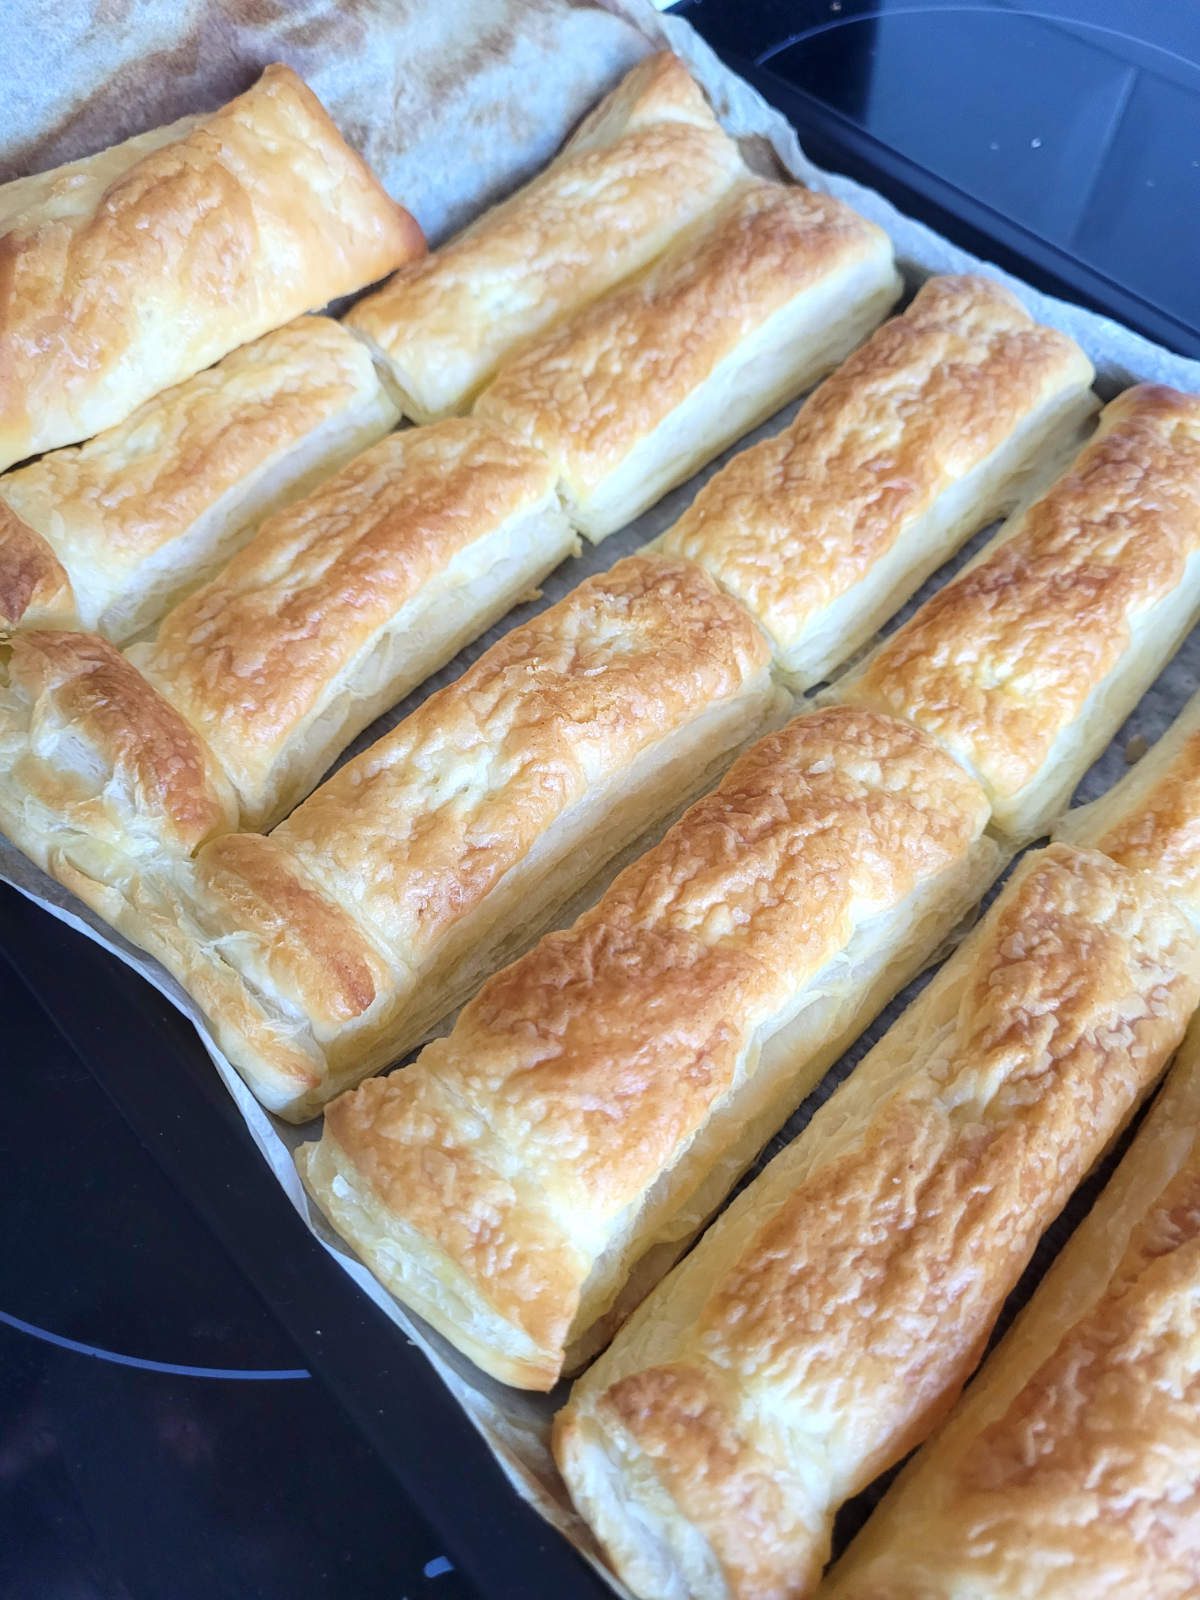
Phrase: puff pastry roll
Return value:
(1150, 821)
(329, 949)
(598, 1098)
(1026, 664)
(99, 776)
(747, 309)
(347, 599)
(107, 535)
(1070, 1468)
(924, 435)
(131, 270)
(826, 1322)
(649, 161)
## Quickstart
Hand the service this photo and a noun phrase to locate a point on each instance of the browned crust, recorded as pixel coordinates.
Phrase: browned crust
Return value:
(1116, 1376)
(1089, 1478)
(1001, 660)
(80, 681)
(249, 217)
(738, 1495)
(34, 588)
(249, 656)
(118, 499)
(421, 827)
(593, 1060)
(793, 523)
(572, 394)
(406, 1138)
(1163, 838)
(837, 1336)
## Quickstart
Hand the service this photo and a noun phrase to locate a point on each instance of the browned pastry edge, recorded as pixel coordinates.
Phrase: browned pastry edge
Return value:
(34, 586)
(80, 683)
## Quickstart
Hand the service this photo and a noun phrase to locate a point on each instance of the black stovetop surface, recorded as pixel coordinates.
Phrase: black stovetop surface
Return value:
(159, 1436)
(1077, 120)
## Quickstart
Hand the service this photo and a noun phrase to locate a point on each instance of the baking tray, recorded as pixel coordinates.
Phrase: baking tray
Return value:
(152, 1066)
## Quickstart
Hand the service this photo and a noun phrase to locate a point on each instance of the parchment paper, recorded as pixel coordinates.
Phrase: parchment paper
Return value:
(454, 104)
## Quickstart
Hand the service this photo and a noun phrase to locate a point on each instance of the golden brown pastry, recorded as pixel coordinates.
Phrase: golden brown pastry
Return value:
(1029, 660)
(349, 598)
(99, 777)
(925, 434)
(1070, 1470)
(826, 1322)
(339, 605)
(329, 949)
(598, 1098)
(107, 535)
(129, 271)
(647, 163)
(744, 311)
(1150, 821)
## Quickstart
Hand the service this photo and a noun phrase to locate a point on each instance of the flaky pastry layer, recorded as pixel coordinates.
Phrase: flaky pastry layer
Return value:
(129, 271)
(99, 776)
(593, 1099)
(1070, 1469)
(745, 310)
(106, 536)
(1027, 662)
(646, 164)
(347, 599)
(331, 947)
(921, 437)
(828, 1319)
